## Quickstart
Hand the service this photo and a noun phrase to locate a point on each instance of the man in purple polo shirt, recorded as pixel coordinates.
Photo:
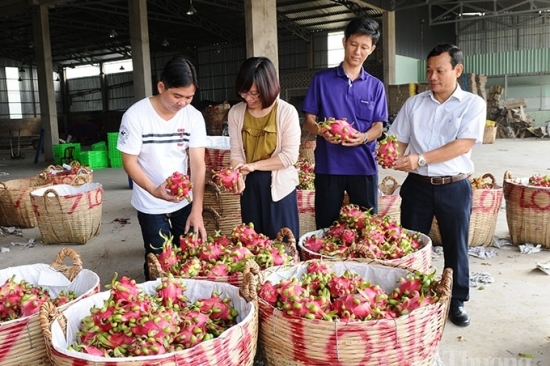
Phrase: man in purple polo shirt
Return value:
(347, 91)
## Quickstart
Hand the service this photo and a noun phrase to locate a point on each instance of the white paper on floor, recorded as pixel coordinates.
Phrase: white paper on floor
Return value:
(529, 248)
(480, 279)
(501, 242)
(545, 267)
(482, 252)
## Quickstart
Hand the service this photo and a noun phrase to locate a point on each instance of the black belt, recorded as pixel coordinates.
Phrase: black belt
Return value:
(437, 181)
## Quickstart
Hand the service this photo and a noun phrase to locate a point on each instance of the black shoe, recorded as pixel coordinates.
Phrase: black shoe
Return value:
(459, 316)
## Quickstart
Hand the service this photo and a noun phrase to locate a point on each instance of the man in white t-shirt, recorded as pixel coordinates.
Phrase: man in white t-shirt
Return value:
(157, 137)
(440, 127)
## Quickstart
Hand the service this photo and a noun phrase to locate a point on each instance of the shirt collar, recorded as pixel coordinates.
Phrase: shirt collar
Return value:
(458, 93)
(341, 73)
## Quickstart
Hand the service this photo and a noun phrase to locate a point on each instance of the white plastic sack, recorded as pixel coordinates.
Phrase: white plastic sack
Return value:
(384, 276)
(45, 276)
(66, 189)
(217, 142)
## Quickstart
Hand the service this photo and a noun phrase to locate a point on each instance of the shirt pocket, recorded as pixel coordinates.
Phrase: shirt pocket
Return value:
(365, 110)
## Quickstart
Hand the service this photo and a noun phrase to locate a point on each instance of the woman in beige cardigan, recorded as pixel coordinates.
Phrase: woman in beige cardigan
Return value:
(264, 132)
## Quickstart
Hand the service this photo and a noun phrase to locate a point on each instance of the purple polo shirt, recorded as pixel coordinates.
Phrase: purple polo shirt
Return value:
(361, 102)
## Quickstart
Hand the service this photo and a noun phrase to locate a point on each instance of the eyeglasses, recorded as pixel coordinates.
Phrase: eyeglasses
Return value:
(253, 95)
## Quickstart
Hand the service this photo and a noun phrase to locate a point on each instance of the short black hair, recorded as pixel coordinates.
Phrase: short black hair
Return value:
(179, 72)
(366, 26)
(456, 54)
(260, 71)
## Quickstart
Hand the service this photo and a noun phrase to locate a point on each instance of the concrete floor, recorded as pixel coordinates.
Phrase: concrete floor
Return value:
(509, 317)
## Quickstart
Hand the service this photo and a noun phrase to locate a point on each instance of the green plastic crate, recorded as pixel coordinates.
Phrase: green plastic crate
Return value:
(94, 159)
(59, 152)
(115, 161)
(99, 146)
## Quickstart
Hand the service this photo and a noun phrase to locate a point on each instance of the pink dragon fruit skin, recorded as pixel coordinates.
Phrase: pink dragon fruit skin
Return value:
(340, 129)
(386, 152)
(226, 177)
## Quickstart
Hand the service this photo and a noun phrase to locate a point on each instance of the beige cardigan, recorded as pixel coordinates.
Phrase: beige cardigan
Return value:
(283, 180)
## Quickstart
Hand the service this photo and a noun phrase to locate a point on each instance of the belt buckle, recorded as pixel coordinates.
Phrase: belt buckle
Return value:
(436, 181)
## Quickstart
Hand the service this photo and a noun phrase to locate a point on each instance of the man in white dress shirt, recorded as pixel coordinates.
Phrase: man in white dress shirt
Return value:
(439, 127)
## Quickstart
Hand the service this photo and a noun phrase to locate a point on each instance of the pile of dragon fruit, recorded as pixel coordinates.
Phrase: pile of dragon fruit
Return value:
(538, 180)
(322, 294)
(133, 323)
(306, 174)
(221, 255)
(179, 185)
(481, 183)
(375, 236)
(21, 298)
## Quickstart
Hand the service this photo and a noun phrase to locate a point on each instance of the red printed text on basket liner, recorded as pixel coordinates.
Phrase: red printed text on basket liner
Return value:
(364, 333)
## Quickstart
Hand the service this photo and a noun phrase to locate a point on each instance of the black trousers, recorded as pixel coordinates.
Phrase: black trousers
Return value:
(451, 204)
(169, 224)
(329, 194)
(267, 216)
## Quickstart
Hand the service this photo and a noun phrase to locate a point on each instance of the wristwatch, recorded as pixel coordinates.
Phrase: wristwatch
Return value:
(421, 160)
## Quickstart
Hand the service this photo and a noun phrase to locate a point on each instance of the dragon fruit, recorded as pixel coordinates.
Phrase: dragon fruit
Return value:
(179, 185)
(226, 178)
(386, 152)
(152, 324)
(340, 129)
(538, 180)
(320, 293)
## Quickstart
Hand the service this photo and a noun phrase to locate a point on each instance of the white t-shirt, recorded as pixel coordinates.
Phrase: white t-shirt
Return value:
(426, 124)
(161, 147)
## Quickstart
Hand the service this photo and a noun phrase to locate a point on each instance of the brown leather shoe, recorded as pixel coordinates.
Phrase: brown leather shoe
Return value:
(459, 316)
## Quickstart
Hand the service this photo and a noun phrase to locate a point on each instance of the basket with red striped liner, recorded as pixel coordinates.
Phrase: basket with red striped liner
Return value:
(235, 346)
(21, 340)
(286, 338)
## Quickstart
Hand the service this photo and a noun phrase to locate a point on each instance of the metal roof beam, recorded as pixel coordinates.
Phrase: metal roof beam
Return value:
(293, 27)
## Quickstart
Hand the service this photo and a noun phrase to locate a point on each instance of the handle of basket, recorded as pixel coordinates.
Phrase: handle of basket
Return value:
(215, 216)
(491, 177)
(306, 138)
(153, 264)
(445, 284)
(75, 164)
(388, 188)
(2, 185)
(290, 243)
(47, 314)
(69, 272)
(210, 184)
(79, 179)
(251, 280)
(508, 175)
(362, 251)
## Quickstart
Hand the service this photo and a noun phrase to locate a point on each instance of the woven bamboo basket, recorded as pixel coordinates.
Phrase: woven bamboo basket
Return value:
(307, 148)
(284, 236)
(222, 210)
(68, 214)
(214, 116)
(483, 220)
(411, 339)
(527, 211)
(234, 347)
(54, 174)
(390, 203)
(306, 210)
(15, 203)
(21, 340)
(421, 260)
